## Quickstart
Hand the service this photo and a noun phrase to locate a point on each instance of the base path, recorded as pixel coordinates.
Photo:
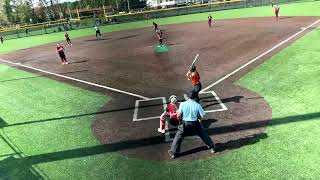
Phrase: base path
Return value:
(126, 61)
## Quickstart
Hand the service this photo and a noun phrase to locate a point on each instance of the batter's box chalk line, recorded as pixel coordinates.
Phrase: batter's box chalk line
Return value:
(223, 107)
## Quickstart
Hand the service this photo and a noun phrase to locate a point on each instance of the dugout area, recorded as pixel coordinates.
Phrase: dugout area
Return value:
(126, 60)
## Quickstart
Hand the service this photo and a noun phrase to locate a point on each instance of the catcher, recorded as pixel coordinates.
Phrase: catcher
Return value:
(170, 114)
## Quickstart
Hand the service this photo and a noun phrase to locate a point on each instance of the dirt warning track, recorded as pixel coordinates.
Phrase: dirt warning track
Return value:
(126, 61)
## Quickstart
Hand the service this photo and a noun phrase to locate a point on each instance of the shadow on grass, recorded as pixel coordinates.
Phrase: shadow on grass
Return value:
(94, 113)
(130, 144)
(233, 144)
(45, 75)
(23, 165)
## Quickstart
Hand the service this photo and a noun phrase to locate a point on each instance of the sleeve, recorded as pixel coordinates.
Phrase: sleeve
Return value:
(167, 109)
(201, 111)
(180, 108)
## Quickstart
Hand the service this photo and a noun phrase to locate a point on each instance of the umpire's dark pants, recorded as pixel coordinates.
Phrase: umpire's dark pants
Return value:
(188, 128)
(197, 88)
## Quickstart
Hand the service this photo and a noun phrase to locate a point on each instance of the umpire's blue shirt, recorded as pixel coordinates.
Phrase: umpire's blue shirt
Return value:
(191, 110)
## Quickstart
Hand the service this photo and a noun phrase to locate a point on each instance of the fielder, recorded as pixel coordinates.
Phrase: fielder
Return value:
(97, 29)
(210, 21)
(1, 39)
(276, 11)
(68, 39)
(159, 34)
(60, 51)
(170, 114)
(155, 26)
(194, 77)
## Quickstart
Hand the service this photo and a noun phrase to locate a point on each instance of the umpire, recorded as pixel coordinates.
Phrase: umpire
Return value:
(190, 112)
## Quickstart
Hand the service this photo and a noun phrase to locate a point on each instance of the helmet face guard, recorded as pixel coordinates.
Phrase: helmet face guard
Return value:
(173, 99)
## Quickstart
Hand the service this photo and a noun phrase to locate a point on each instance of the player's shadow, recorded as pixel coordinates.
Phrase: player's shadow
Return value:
(97, 39)
(78, 62)
(209, 101)
(127, 37)
(206, 123)
(229, 145)
(286, 17)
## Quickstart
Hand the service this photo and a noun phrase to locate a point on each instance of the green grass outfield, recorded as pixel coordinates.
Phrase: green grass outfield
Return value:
(297, 9)
(45, 130)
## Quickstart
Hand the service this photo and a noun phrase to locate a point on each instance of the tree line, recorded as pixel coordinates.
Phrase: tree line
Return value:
(37, 11)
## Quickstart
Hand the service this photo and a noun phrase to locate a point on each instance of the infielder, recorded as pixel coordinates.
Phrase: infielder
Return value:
(60, 51)
(97, 29)
(276, 11)
(210, 21)
(68, 39)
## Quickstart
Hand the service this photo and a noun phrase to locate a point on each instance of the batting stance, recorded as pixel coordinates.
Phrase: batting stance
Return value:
(191, 113)
(60, 51)
(194, 77)
(170, 115)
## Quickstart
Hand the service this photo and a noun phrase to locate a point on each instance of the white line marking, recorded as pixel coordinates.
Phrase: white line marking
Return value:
(77, 80)
(224, 107)
(135, 113)
(258, 57)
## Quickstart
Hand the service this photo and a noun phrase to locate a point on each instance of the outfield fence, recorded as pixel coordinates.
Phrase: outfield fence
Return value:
(79, 22)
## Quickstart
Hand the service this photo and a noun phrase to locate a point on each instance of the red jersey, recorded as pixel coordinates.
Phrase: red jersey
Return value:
(172, 110)
(276, 10)
(195, 78)
(60, 49)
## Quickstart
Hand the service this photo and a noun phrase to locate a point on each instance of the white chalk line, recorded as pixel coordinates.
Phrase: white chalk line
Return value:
(258, 57)
(77, 80)
(136, 108)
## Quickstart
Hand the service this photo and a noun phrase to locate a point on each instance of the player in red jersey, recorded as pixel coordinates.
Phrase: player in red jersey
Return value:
(159, 34)
(194, 77)
(276, 11)
(170, 114)
(60, 51)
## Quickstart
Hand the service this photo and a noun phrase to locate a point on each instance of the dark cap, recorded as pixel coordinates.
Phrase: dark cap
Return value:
(193, 68)
(191, 94)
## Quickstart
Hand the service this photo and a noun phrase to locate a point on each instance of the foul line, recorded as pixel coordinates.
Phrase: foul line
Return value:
(75, 79)
(258, 57)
